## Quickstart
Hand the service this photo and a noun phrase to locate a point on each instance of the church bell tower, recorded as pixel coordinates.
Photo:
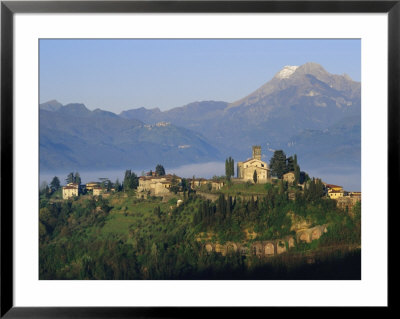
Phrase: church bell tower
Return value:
(257, 152)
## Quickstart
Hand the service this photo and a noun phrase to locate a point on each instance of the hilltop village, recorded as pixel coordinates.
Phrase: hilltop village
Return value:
(251, 171)
(163, 226)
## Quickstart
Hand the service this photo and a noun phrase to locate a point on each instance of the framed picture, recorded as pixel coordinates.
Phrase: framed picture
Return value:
(222, 147)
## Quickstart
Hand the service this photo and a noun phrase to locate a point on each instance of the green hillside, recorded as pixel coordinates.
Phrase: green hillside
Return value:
(123, 237)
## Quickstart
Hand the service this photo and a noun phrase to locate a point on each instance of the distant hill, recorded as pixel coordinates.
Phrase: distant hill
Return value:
(338, 145)
(302, 109)
(194, 116)
(52, 105)
(73, 137)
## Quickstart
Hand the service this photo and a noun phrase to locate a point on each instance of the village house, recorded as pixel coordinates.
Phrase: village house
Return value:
(331, 187)
(355, 195)
(217, 185)
(157, 186)
(91, 185)
(213, 183)
(335, 194)
(289, 177)
(198, 182)
(97, 190)
(245, 170)
(334, 191)
(151, 173)
(71, 190)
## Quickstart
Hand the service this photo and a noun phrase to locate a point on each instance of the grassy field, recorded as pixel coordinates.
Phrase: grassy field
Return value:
(245, 189)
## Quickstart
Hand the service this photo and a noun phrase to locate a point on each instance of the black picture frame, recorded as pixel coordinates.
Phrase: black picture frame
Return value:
(9, 8)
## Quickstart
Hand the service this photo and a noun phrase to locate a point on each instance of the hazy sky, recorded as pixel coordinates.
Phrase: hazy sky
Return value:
(117, 75)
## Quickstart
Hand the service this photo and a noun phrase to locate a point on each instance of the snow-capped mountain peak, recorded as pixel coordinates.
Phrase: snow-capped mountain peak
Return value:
(286, 72)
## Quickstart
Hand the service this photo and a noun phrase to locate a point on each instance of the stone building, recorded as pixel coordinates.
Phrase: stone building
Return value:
(157, 186)
(355, 195)
(289, 177)
(91, 185)
(245, 170)
(71, 190)
(198, 182)
(213, 184)
(334, 191)
(217, 185)
(335, 194)
(97, 191)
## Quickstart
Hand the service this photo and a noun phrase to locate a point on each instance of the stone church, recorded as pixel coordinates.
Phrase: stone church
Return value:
(245, 170)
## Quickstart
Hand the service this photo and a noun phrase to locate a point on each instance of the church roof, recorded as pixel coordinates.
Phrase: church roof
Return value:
(255, 160)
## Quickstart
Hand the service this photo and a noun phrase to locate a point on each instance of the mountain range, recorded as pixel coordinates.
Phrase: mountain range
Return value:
(302, 109)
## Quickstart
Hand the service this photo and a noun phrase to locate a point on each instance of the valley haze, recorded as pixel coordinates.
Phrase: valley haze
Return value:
(302, 110)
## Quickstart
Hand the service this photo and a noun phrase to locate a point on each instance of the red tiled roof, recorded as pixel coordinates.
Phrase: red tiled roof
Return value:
(332, 186)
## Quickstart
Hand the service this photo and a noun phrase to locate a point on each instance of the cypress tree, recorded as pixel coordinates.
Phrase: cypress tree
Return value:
(296, 174)
(70, 178)
(229, 167)
(229, 207)
(232, 167)
(290, 166)
(77, 178)
(160, 171)
(55, 184)
(278, 163)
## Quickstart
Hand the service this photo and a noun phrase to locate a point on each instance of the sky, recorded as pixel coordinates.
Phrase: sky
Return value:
(122, 74)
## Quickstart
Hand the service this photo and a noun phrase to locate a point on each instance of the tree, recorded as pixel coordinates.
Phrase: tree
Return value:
(131, 181)
(278, 163)
(70, 178)
(160, 171)
(281, 187)
(105, 183)
(77, 178)
(229, 167)
(319, 188)
(185, 185)
(296, 175)
(117, 185)
(55, 184)
(43, 188)
(304, 177)
(174, 184)
(315, 190)
(255, 177)
(157, 211)
(290, 166)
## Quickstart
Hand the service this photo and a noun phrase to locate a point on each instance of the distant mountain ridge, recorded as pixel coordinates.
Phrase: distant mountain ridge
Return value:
(300, 110)
(73, 137)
